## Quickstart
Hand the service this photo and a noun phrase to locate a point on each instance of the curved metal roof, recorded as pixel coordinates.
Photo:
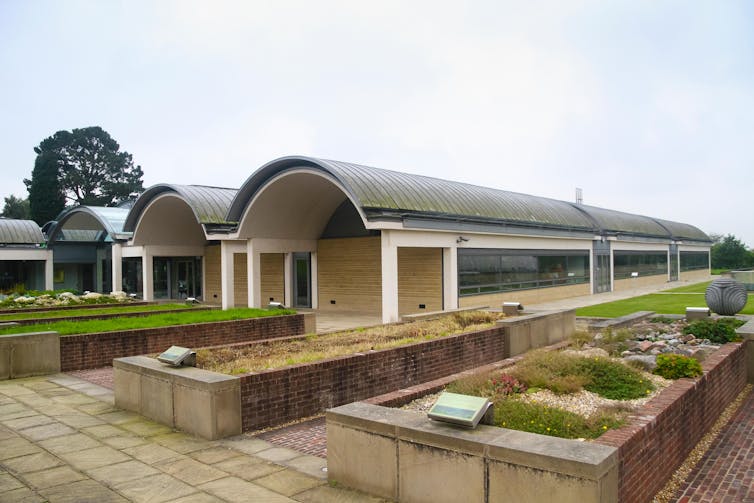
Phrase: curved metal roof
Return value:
(382, 194)
(25, 232)
(209, 204)
(110, 219)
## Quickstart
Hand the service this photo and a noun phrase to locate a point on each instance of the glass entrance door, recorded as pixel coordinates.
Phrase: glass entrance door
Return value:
(302, 280)
(185, 279)
(673, 264)
(602, 273)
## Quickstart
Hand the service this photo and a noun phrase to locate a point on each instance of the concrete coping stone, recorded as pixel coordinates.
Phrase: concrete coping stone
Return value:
(26, 335)
(187, 376)
(570, 457)
(623, 320)
(533, 315)
(432, 314)
(746, 331)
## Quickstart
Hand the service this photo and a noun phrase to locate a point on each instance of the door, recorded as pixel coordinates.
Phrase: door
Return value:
(602, 274)
(673, 263)
(185, 279)
(302, 280)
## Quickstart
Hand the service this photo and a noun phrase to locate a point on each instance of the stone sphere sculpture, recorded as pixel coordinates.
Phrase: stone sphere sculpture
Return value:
(725, 296)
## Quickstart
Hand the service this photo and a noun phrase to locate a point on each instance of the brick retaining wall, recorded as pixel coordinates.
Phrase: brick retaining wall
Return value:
(659, 437)
(88, 351)
(280, 395)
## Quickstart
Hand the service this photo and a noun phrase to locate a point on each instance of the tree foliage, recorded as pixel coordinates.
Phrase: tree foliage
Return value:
(46, 198)
(16, 207)
(731, 253)
(91, 168)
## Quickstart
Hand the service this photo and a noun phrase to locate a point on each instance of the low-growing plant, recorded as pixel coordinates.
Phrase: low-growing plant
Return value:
(581, 337)
(538, 418)
(718, 331)
(505, 385)
(672, 366)
(614, 341)
(662, 319)
(614, 380)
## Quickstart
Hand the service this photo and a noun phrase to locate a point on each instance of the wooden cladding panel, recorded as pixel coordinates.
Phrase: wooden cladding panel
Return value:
(349, 273)
(272, 277)
(240, 280)
(419, 280)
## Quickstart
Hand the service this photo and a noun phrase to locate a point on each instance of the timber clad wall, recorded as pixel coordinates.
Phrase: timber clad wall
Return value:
(660, 436)
(419, 280)
(89, 351)
(349, 273)
(212, 282)
(525, 297)
(272, 277)
(277, 396)
(240, 284)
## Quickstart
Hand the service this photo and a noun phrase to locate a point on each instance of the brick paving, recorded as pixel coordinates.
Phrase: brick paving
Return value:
(309, 437)
(102, 376)
(726, 472)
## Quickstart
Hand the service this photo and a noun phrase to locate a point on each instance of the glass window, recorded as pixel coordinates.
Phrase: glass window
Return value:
(482, 271)
(691, 260)
(625, 263)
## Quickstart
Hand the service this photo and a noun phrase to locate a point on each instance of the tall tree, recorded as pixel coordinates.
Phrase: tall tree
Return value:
(731, 253)
(92, 170)
(16, 207)
(46, 198)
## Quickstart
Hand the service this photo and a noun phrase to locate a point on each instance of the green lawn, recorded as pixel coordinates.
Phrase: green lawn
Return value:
(673, 301)
(66, 313)
(152, 321)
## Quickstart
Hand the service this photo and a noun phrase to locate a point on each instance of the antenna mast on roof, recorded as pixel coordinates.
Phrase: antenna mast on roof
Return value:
(579, 196)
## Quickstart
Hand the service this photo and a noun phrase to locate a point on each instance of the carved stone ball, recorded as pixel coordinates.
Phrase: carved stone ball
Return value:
(725, 296)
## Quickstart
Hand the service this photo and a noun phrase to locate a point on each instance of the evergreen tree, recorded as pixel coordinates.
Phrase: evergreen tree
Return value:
(46, 198)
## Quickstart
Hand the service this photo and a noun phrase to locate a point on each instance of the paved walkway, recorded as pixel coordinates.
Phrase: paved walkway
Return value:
(62, 441)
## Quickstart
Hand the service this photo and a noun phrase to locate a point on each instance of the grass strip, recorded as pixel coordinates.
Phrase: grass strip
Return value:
(657, 302)
(70, 313)
(152, 321)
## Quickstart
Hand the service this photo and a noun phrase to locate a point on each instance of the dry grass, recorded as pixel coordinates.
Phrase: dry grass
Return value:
(315, 348)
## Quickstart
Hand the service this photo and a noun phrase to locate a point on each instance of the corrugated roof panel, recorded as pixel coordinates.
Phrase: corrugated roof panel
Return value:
(13, 231)
(684, 231)
(627, 223)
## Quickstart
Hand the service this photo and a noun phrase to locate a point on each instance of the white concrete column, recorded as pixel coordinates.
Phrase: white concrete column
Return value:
(227, 275)
(49, 283)
(315, 283)
(117, 267)
(253, 272)
(288, 279)
(449, 278)
(389, 279)
(147, 275)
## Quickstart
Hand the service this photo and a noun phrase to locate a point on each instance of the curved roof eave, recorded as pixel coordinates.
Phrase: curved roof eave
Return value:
(382, 193)
(209, 204)
(15, 231)
(110, 218)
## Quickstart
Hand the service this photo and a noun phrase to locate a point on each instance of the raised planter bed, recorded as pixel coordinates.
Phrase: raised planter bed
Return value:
(368, 446)
(88, 351)
(277, 396)
(131, 314)
(77, 306)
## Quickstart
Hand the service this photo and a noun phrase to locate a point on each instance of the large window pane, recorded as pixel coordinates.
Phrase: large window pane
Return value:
(626, 263)
(691, 261)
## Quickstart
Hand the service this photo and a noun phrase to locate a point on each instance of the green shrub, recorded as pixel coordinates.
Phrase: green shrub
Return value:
(538, 418)
(718, 331)
(614, 380)
(672, 366)
(614, 342)
(662, 319)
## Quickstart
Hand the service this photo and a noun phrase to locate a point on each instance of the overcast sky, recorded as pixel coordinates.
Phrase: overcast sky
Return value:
(647, 106)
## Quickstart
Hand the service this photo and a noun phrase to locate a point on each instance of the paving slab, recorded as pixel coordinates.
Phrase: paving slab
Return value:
(311, 465)
(288, 482)
(27, 422)
(118, 473)
(236, 490)
(327, 494)
(106, 430)
(31, 462)
(151, 453)
(79, 420)
(8, 482)
(198, 498)
(115, 416)
(182, 442)
(98, 408)
(124, 442)
(53, 477)
(248, 468)
(154, 489)
(15, 447)
(69, 443)
(146, 428)
(94, 458)
(190, 470)
(214, 454)
(22, 495)
(45, 431)
(83, 491)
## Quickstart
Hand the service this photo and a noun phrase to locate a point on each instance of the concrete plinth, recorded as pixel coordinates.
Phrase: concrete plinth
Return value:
(24, 355)
(204, 403)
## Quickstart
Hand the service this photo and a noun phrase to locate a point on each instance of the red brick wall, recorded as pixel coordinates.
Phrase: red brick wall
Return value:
(88, 351)
(659, 437)
(276, 396)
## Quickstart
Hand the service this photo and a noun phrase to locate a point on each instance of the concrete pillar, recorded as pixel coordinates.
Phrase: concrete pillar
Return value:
(227, 275)
(389, 279)
(147, 274)
(449, 278)
(49, 283)
(253, 271)
(315, 284)
(117, 267)
(288, 279)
